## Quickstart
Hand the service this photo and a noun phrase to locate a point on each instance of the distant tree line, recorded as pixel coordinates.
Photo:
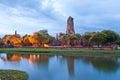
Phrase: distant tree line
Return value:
(103, 38)
(42, 38)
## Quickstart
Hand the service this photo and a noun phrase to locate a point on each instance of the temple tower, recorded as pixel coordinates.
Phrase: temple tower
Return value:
(70, 26)
(15, 32)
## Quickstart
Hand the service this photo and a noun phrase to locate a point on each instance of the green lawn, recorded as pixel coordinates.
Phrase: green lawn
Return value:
(59, 51)
(13, 75)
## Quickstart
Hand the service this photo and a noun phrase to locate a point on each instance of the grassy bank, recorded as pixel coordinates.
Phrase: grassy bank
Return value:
(13, 75)
(59, 51)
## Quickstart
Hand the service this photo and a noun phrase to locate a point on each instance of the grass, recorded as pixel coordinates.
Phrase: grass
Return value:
(60, 51)
(13, 75)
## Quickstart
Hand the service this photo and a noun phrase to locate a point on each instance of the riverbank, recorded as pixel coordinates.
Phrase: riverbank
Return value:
(60, 51)
(13, 75)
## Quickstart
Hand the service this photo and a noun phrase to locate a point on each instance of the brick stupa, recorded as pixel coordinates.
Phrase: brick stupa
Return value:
(70, 26)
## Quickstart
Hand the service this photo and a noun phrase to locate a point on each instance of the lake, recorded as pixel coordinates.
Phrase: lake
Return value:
(62, 67)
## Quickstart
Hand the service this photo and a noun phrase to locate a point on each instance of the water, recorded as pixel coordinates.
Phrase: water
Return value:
(53, 67)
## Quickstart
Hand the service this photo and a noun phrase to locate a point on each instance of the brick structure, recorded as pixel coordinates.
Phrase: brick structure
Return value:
(70, 26)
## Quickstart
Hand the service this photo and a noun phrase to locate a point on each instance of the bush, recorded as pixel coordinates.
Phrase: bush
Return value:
(13, 75)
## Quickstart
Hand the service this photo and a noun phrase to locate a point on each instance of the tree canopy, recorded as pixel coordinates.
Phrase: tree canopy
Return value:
(110, 36)
(97, 38)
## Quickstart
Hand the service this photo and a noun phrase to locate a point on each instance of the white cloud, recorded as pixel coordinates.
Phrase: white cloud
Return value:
(28, 16)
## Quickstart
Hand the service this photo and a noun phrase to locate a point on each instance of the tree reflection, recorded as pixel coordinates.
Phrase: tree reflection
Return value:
(12, 57)
(43, 59)
(105, 64)
(33, 58)
(108, 64)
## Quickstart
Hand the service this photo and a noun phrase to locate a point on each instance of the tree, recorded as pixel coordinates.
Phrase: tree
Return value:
(62, 38)
(111, 36)
(40, 32)
(69, 39)
(16, 40)
(117, 41)
(45, 39)
(74, 38)
(98, 38)
(26, 41)
(34, 41)
(38, 39)
(86, 37)
(78, 36)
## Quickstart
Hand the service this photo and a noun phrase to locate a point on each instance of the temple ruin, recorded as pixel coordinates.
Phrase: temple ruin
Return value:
(70, 26)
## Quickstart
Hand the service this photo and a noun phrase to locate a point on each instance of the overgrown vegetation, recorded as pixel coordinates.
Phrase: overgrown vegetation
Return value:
(103, 38)
(39, 39)
(13, 75)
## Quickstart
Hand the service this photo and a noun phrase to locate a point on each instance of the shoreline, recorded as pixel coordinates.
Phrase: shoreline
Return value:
(61, 51)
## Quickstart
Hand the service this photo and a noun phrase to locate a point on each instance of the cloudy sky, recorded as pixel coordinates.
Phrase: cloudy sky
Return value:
(27, 16)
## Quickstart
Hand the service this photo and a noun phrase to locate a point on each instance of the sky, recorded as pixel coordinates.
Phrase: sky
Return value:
(28, 16)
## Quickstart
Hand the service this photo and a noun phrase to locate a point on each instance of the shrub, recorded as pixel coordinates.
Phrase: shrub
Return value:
(13, 75)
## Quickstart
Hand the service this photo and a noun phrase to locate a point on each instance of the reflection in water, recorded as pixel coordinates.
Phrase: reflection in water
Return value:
(49, 67)
(70, 64)
(109, 64)
(12, 57)
(105, 64)
(33, 58)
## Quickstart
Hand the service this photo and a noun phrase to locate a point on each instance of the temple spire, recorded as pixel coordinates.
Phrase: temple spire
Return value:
(15, 32)
(70, 26)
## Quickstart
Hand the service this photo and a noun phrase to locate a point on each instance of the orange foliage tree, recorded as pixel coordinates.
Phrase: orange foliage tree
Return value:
(16, 40)
(26, 41)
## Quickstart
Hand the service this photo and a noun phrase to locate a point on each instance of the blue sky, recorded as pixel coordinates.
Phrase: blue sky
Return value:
(27, 16)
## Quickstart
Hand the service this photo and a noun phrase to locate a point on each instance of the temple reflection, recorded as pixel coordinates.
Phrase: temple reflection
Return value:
(105, 64)
(70, 64)
(32, 58)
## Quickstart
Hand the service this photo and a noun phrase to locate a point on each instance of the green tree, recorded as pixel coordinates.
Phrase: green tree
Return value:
(117, 41)
(45, 39)
(74, 38)
(77, 35)
(69, 39)
(97, 38)
(63, 39)
(111, 36)
(86, 37)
